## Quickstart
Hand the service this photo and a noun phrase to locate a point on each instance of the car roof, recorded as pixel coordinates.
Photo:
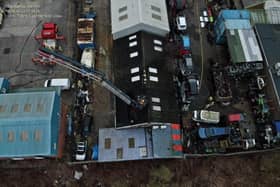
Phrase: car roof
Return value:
(182, 20)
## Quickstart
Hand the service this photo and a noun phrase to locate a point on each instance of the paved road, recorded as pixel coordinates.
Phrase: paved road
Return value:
(103, 99)
(20, 26)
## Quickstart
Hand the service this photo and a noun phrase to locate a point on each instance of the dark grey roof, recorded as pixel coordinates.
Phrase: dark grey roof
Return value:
(149, 48)
(252, 3)
(269, 37)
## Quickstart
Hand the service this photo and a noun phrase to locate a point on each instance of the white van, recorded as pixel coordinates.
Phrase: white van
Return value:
(64, 83)
(88, 58)
(206, 116)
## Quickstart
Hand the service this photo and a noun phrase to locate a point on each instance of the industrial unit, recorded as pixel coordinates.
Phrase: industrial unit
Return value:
(163, 141)
(131, 16)
(268, 35)
(141, 69)
(32, 123)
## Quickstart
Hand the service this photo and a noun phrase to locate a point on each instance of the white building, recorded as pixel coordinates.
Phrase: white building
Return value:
(130, 16)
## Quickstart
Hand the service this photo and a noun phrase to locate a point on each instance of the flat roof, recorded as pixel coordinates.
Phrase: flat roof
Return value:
(269, 37)
(141, 69)
(139, 143)
(243, 46)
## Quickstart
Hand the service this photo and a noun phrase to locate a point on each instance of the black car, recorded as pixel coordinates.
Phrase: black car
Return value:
(87, 123)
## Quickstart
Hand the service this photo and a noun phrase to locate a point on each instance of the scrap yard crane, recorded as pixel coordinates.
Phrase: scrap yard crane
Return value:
(57, 58)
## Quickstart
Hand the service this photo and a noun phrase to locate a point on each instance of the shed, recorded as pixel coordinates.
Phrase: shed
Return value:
(130, 16)
(243, 46)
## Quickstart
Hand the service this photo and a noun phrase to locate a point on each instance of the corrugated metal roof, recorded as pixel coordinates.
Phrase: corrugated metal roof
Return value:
(269, 37)
(243, 46)
(252, 3)
(141, 15)
(29, 124)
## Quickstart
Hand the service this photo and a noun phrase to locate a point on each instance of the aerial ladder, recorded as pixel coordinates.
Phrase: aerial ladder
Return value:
(60, 59)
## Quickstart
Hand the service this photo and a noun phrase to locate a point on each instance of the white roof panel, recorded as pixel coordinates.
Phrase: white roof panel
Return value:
(142, 15)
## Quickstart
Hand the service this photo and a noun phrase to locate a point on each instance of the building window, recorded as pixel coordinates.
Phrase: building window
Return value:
(119, 153)
(134, 54)
(27, 108)
(123, 17)
(132, 37)
(153, 70)
(157, 17)
(2, 108)
(157, 42)
(11, 136)
(157, 108)
(157, 48)
(134, 70)
(131, 143)
(107, 143)
(14, 108)
(155, 8)
(155, 99)
(153, 78)
(40, 107)
(132, 44)
(24, 136)
(122, 9)
(135, 78)
(37, 135)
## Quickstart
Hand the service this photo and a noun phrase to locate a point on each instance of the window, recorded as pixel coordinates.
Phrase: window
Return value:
(134, 70)
(107, 143)
(153, 70)
(132, 37)
(157, 48)
(158, 42)
(119, 153)
(132, 44)
(157, 108)
(153, 78)
(14, 108)
(155, 100)
(122, 9)
(24, 136)
(135, 78)
(1, 136)
(11, 136)
(121, 18)
(155, 8)
(131, 143)
(37, 135)
(157, 17)
(134, 54)
(2, 108)
(40, 107)
(27, 108)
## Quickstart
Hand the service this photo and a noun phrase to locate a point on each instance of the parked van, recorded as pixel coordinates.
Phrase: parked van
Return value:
(206, 116)
(64, 83)
(88, 58)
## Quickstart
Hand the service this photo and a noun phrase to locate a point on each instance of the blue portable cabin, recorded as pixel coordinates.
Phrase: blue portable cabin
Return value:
(230, 19)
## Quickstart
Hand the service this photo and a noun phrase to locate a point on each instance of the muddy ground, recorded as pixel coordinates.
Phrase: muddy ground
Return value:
(250, 170)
